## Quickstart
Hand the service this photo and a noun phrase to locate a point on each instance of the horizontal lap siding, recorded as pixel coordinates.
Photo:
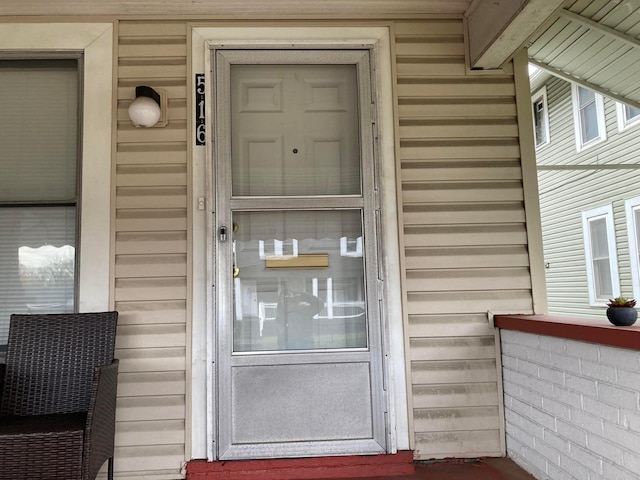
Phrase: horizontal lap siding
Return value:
(151, 256)
(464, 236)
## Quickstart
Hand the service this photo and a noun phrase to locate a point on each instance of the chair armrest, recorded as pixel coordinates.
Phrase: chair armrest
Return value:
(101, 419)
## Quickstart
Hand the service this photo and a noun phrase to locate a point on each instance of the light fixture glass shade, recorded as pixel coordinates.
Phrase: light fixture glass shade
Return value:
(144, 112)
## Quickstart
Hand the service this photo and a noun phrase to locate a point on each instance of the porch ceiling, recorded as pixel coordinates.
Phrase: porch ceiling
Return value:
(595, 43)
(232, 7)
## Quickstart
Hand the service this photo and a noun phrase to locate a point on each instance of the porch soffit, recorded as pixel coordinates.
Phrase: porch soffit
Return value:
(499, 28)
(237, 8)
(595, 43)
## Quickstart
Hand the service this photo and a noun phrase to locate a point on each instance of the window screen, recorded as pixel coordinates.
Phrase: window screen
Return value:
(603, 281)
(588, 114)
(38, 193)
(631, 113)
(540, 122)
(600, 258)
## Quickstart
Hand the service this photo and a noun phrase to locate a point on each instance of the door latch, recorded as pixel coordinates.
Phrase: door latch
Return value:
(222, 233)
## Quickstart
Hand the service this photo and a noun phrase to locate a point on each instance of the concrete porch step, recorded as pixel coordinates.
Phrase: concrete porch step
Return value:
(355, 466)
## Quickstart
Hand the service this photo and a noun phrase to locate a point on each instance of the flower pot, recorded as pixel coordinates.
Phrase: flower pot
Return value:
(622, 316)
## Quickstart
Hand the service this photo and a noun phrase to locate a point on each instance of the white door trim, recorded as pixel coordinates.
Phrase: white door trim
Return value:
(201, 415)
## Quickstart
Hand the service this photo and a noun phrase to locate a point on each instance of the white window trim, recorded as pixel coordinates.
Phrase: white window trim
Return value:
(602, 128)
(623, 123)
(96, 41)
(541, 94)
(631, 205)
(342, 37)
(607, 212)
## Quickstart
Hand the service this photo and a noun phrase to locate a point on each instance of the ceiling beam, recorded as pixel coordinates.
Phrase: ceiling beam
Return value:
(610, 32)
(591, 86)
(499, 28)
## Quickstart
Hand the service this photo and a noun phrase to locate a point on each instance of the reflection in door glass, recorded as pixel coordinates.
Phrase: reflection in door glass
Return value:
(300, 281)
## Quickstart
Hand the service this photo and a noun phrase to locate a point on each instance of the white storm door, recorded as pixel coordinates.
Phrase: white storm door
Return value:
(299, 354)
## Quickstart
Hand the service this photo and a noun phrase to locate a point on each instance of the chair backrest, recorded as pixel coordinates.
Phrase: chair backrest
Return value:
(51, 358)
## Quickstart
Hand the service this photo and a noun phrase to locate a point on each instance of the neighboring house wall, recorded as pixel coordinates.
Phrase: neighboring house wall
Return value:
(571, 407)
(571, 183)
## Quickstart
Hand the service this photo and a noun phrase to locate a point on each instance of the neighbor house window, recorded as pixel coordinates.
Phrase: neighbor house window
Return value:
(627, 116)
(38, 187)
(632, 207)
(600, 254)
(588, 108)
(540, 117)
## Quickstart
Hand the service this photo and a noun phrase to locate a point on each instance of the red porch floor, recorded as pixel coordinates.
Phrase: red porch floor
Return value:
(481, 469)
(377, 467)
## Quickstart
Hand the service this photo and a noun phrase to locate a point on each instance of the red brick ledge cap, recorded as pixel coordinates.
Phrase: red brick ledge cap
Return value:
(582, 329)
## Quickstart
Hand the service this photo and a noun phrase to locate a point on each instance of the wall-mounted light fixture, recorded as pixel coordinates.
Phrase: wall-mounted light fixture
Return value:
(146, 109)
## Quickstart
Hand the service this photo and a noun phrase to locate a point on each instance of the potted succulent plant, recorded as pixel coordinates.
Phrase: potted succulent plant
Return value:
(621, 311)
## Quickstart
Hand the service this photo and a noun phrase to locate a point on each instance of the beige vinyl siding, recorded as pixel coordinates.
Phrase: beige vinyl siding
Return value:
(465, 242)
(464, 237)
(572, 182)
(151, 280)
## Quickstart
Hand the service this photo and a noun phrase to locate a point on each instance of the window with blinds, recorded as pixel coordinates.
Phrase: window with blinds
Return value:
(540, 117)
(632, 209)
(39, 138)
(601, 255)
(589, 121)
(628, 116)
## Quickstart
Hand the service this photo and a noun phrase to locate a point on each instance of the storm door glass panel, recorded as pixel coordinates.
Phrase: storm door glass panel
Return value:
(301, 142)
(600, 255)
(300, 281)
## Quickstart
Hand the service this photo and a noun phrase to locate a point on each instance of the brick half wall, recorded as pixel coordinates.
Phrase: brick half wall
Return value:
(572, 408)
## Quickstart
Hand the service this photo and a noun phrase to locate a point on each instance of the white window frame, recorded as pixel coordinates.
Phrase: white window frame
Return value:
(602, 129)
(541, 96)
(625, 123)
(632, 206)
(95, 40)
(605, 212)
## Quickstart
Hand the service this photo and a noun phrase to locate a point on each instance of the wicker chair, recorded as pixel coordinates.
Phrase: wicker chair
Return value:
(58, 397)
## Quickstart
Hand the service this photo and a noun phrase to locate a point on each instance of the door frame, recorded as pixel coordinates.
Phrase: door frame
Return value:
(201, 382)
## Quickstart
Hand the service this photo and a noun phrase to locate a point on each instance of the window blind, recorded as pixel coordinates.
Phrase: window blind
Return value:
(38, 197)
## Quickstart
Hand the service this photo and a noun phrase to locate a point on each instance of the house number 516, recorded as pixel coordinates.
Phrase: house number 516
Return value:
(201, 135)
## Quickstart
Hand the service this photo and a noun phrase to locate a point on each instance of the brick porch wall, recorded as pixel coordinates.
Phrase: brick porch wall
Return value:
(572, 408)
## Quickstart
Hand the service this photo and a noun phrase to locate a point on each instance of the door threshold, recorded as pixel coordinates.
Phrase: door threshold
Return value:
(352, 466)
